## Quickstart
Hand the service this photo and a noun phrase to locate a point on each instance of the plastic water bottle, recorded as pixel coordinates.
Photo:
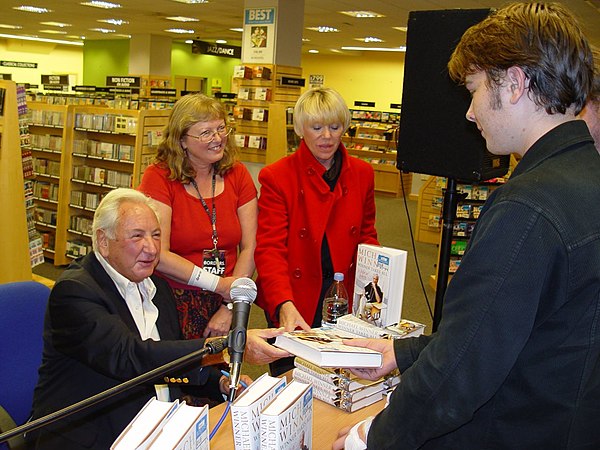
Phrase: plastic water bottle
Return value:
(335, 303)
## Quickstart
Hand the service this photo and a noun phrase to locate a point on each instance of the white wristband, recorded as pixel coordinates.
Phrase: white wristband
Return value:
(203, 279)
(353, 440)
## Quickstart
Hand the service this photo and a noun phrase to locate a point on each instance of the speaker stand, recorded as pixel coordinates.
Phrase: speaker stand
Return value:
(451, 199)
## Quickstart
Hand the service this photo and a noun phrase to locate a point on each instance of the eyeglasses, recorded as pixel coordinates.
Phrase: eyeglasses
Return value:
(208, 136)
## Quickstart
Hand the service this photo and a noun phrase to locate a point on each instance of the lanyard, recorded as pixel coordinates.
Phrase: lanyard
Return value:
(212, 217)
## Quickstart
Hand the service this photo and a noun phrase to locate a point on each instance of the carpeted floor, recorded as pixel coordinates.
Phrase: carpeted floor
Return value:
(393, 231)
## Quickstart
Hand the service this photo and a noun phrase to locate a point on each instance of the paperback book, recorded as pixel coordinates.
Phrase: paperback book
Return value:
(187, 428)
(349, 406)
(335, 392)
(145, 425)
(379, 284)
(341, 378)
(286, 423)
(325, 348)
(246, 409)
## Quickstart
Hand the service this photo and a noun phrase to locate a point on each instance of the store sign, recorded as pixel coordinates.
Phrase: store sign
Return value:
(5, 76)
(362, 103)
(226, 95)
(123, 81)
(316, 80)
(395, 105)
(206, 48)
(291, 81)
(162, 92)
(55, 87)
(19, 64)
(56, 80)
(124, 90)
(84, 88)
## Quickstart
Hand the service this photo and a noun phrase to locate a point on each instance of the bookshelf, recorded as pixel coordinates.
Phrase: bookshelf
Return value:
(110, 148)
(376, 142)
(50, 129)
(467, 213)
(261, 113)
(14, 239)
(79, 153)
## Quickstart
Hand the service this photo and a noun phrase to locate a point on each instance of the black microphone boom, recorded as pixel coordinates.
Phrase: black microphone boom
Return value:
(243, 294)
(210, 348)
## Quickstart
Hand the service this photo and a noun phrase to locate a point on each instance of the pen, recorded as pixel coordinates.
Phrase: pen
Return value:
(224, 372)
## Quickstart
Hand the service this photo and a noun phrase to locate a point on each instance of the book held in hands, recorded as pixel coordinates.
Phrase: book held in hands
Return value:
(325, 348)
(379, 284)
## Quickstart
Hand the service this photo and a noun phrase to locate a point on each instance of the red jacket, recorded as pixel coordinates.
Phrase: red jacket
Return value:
(296, 208)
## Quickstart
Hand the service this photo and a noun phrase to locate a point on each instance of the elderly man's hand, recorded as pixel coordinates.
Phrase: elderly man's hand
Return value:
(258, 351)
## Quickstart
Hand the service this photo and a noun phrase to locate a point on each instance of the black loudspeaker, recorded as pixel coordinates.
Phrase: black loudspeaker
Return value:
(435, 138)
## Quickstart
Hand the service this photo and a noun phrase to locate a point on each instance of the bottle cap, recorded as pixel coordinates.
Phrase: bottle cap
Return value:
(338, 276)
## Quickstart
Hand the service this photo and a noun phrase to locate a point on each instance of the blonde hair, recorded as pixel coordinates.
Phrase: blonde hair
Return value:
(322, 105)
(189, 110)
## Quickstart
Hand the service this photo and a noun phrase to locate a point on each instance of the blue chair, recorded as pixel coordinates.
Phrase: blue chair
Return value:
(22, 309)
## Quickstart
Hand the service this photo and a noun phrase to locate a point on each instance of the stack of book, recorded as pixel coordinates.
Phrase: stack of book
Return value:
(340, 388)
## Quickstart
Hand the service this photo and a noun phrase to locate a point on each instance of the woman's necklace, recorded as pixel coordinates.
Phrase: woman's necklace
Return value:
(211, 216)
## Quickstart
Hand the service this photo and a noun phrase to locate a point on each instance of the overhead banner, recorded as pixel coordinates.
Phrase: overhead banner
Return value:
(206, 48)
(259, 36)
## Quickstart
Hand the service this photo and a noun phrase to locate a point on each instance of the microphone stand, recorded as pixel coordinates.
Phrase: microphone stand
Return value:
(210, 348)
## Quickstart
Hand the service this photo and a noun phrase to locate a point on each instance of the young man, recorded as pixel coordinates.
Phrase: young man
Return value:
(515, 362)
(109, 320)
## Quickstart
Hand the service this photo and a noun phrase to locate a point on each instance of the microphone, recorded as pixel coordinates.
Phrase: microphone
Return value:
(243, 294)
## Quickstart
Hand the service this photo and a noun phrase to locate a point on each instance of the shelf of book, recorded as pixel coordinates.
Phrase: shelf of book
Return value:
(376, 144)
(261, 112)
(467, 213)
(50, 132)
(14, 239)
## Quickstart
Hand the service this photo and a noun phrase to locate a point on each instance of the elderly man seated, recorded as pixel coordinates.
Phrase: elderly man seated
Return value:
(109, 319)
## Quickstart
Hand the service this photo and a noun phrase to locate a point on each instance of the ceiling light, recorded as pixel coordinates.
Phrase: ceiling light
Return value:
(40, 39)
(369, 39)
(404, 29)
(179, 31)
(53, 31)
(56, 24)
(324, 29)
(33, 9)
(191, 2)
(102, 30)
(189, 41)
(113, 21)
(182, 19)
(362, 14)
(99, 4)
(313, 51)
(377, 49)
(239, 30)
(10, 27)
(221, 41)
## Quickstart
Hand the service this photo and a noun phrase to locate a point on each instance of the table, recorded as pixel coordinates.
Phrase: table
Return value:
(327, 421)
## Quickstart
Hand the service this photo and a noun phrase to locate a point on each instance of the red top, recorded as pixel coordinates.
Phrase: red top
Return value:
(191, 229)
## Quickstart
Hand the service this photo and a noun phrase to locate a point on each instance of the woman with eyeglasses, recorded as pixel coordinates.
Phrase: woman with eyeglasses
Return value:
(315, 207)
(208, 210)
